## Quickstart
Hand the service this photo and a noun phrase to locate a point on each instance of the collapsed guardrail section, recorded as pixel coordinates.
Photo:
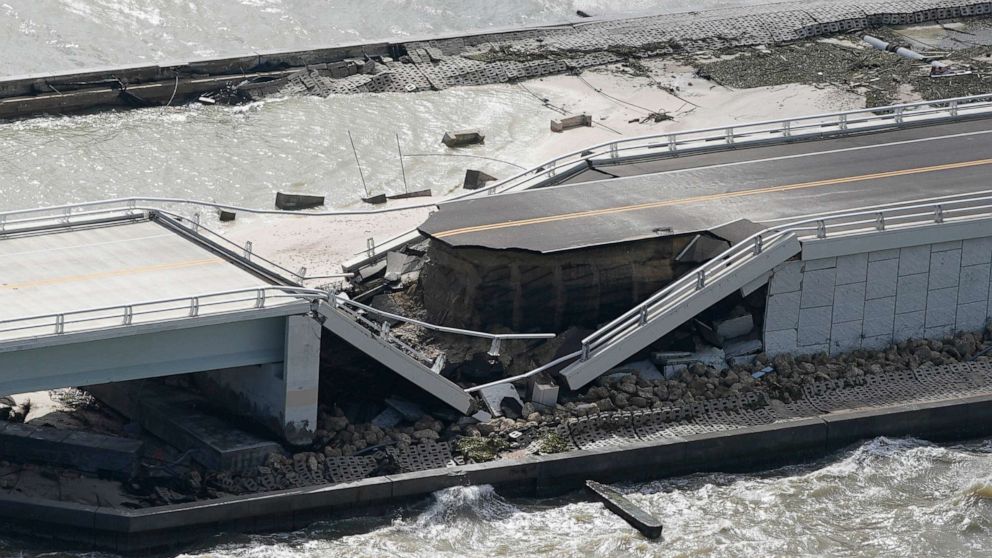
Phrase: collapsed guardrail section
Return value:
(747, 261)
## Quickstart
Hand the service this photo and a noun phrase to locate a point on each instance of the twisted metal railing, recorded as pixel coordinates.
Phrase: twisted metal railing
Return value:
(890, 217)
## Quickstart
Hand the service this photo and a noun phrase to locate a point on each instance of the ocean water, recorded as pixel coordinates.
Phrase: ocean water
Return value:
(884, 498)
(242, 155)
(51, 35)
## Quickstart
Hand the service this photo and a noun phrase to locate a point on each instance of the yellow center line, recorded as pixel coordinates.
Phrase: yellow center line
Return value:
(711, 197)
(112, 273)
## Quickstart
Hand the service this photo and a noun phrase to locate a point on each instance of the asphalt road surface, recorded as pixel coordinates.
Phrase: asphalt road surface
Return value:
(696, 193)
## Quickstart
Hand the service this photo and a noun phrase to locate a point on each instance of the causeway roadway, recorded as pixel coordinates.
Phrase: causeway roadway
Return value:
(70, 269)
(700, 192)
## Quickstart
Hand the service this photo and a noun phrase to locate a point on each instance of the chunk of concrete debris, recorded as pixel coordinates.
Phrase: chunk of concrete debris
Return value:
(643, 369)
(435, 54)
(388, 418)
(377, 199)
(475, 179)
(708, 356)
(569, 122)
(498, 396)
(461, 138)
(662, 358)
(291, 202)
(544, 393)
(226, 216)
(741, 347)
(734, 327)
(414, 194)
(639, 519)
(410, 411)
(400, 265)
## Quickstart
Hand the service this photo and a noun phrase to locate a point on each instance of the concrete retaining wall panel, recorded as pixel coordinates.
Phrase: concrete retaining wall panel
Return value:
(757, 446)
(927, 290)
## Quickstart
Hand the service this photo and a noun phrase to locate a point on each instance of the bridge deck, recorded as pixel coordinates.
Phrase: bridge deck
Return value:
(67, 270)
(701, 192)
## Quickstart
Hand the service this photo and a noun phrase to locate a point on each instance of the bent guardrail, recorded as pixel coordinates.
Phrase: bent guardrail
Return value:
(889, 217)
(358, 311)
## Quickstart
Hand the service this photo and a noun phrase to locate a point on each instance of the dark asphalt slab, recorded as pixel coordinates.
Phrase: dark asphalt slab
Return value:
(691, 194)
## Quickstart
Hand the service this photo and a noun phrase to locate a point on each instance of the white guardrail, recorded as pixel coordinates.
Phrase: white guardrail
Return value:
(612, 152)
(750, 133)
(149, 311)
(966, 207)
(89, 212)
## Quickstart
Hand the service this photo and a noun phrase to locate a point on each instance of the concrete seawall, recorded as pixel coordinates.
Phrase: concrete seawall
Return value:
(740, 450)
(479, 58)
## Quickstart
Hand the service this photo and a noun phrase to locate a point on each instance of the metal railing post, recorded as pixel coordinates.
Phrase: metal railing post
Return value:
(260, 298)
(194, 306)
(643, 318)
(128, 315)
(938, 214)
(60, 324)
(196, 223)
(673, 143)
(821, 229)
(585, 351)
(495, 347)
(370, 247)
(787, 128)
(302, 273)
(730, 136)
(899, 115)
(954, 108)
(843, 122)
(700, 279)
(880, 221)
(248, 250)
(758, 244)
(614, 151)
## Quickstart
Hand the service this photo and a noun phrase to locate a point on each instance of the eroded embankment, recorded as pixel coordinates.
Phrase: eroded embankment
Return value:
(480, 59)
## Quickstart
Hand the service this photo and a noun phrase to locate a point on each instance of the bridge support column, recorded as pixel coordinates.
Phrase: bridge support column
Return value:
(282, 396)
(301, 377)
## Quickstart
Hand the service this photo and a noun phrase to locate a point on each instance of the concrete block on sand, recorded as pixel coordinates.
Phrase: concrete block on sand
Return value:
(289, 202)
(461, 138)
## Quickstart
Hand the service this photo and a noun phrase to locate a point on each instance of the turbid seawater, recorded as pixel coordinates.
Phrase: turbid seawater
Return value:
(886, 497)
(883, 498)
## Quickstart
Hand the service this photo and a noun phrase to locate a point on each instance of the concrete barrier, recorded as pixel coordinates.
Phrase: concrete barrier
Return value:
(461, 138)
(569, 122)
